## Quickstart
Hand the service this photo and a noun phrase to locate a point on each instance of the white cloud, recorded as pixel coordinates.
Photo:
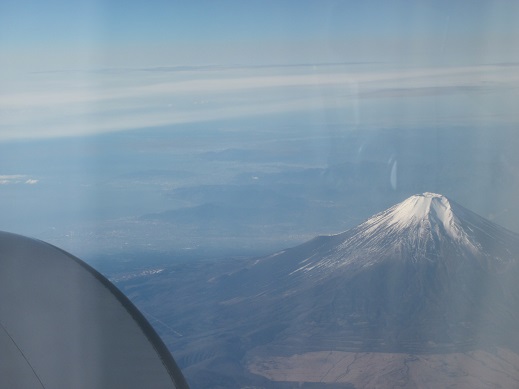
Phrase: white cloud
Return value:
(12, 177)
(9, 179)
(101, 103)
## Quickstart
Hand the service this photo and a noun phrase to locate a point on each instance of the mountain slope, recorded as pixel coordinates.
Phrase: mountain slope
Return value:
(423, 294)
(425, 275)
(422, 228)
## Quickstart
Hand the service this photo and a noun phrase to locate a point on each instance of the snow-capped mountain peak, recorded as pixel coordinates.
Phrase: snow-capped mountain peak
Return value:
(425, 274)
(423, 229)
(417, 229)
(419, 221)
(426, 210)
(422, 206)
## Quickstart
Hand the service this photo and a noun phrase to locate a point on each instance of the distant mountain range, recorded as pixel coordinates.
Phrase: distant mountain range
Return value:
(422, 294)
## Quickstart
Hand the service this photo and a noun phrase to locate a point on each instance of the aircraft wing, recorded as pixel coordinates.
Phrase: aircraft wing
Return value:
(64, 325)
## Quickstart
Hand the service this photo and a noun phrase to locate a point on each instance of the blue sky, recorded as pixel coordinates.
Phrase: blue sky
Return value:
(61, 34)
(84, 67)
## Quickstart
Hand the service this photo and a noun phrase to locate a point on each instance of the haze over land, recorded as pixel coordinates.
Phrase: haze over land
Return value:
(176, 126)
(166, 142)
(246, 192)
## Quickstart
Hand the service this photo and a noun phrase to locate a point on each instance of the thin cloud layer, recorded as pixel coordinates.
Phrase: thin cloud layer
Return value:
(9, 179)
(97, 103)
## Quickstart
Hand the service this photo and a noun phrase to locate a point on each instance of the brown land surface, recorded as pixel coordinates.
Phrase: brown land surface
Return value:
(475, 369)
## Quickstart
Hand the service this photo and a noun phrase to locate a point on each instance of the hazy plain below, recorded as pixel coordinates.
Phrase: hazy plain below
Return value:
(226, 191)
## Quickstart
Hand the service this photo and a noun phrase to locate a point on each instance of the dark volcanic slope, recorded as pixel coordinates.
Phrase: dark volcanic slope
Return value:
(426, 275)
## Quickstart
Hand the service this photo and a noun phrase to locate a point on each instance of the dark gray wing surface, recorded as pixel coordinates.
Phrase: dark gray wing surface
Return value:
(64, 325)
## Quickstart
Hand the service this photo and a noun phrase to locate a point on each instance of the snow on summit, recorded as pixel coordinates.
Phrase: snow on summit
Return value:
(421, 206)
(423, 229)
(418, 226)
(430, 208)
(424, 214)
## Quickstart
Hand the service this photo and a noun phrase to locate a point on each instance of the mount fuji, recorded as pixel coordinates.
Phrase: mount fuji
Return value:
(425, 281)
(425, 275)
(423, 294)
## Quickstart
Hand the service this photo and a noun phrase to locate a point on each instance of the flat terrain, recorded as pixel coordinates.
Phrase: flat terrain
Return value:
(474, 369)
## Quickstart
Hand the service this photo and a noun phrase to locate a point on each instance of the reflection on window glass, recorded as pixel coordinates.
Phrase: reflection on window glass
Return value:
(295, 194)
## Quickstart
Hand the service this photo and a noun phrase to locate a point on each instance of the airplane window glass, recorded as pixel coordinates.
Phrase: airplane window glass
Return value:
(294, 194)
